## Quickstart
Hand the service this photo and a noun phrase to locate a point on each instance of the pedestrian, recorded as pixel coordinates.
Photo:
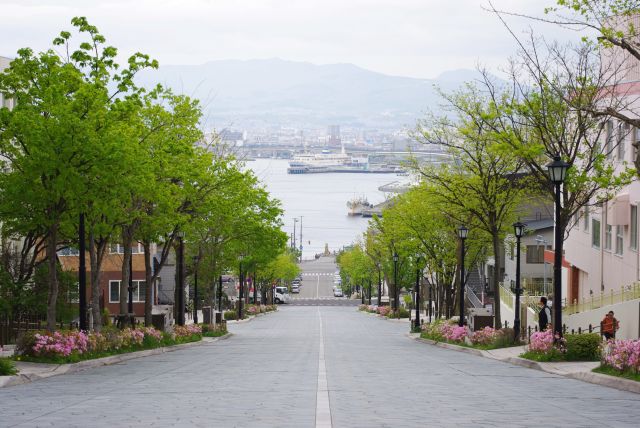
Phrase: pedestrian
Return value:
(544, 316)
(609, 326)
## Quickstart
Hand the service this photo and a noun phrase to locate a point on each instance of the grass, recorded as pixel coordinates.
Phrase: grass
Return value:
(614, 372)
(7, 367)
(550, 357)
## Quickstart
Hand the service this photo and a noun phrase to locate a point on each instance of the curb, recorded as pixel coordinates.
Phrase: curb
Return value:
(60, 369)
(589, 377)
(248, 319)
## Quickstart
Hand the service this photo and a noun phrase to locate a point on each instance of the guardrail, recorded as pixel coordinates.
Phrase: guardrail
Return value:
(473, 298)
(506, 296)
(625, 293)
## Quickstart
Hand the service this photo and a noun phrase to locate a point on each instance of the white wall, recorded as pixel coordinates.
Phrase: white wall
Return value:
(627, 313)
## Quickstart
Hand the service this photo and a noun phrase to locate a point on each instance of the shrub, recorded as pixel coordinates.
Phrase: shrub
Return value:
(583, 347)
(384, 310)
(506, 337)
(400, 313)
(252, 310)
(362, 307)
(214, 330)
(231, 315)
(541, 341)
(106, 318)
(622, 355)
(542, 347)
(487, 336)
(453, 333)
(7, 367)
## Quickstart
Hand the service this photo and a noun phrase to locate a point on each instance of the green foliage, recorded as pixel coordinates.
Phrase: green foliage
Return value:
(583, 347)
(230, 315)
(7, 367)
(400, 313)
(214, 330)
(614, 372)
(552, 356)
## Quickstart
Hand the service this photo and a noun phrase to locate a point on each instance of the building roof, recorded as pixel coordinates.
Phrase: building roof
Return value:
(111, 263)
(545, 223)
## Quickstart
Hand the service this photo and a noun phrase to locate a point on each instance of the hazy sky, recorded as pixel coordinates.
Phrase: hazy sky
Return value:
(419, 38)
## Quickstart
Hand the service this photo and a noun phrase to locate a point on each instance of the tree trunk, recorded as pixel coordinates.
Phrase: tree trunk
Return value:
(148, 276)
(124, 284)
(52, 260)
(95, 262)
(495, 282)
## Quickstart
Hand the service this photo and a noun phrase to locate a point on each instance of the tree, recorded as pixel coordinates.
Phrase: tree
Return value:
(482, 186)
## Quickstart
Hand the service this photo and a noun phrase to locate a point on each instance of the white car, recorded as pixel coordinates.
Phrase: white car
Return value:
(281, 295)
(295, 289)
(338, 292)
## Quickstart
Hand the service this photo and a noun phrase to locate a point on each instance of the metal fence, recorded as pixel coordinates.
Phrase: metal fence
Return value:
(625, 293)
(12, 325)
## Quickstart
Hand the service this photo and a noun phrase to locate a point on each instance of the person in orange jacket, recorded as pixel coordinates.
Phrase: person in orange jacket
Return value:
(609, 326)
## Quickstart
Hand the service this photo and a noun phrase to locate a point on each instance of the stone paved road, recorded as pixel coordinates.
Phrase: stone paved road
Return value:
(267, 375)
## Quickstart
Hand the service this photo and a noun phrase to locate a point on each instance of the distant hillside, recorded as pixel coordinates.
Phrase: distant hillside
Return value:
(254, 93)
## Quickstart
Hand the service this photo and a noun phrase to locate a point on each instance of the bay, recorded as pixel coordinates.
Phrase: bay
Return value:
(321, 201)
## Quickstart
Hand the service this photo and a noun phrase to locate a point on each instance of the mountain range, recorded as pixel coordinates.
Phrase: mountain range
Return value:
(262, 93)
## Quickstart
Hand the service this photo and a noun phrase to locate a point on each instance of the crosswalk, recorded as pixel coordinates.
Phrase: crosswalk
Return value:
(317, 274)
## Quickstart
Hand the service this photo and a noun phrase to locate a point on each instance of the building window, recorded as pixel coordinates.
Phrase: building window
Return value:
(585, 218)
(633, 228)
(607, 236)
(595, 233)
(608, 147)
(619, 240)
(535, 254)
(139, 291)
(119, 249)
(114, 291)
(623, 135)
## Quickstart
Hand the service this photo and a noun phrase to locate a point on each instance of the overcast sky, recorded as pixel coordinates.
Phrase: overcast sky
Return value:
(419, 38)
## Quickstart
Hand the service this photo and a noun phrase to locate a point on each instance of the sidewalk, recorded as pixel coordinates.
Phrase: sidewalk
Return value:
(581, 370)
(29, 372)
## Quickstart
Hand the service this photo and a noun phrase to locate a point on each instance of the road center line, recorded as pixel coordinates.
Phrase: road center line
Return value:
(323, 408)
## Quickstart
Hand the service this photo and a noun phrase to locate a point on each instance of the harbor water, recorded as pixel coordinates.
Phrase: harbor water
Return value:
(321, 201)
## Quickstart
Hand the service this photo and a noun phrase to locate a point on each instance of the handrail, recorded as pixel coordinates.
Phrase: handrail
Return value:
(473, 298)
(626, 293)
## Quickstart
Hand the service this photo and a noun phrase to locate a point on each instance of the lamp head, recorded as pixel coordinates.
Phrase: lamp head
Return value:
(463, 232)
(557, 170)
(395, 256)
(518, 229)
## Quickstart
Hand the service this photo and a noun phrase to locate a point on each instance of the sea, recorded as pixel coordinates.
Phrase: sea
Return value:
(319, 203)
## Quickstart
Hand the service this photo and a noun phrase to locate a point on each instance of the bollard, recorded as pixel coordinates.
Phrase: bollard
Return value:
(590, 328)
(579, 330)
(573, 331)
(564, 329)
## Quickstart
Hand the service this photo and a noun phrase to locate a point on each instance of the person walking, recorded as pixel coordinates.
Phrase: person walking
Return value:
(609, 326)
(544, 316)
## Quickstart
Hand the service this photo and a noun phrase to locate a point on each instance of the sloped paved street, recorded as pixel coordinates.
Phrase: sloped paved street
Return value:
(267, 375)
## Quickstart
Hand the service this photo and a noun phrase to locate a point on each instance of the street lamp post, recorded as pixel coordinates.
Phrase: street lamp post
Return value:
(180, 294)
(396, 298)
(82, 272)
(196, 259)
(557, 174)
(220, 293)
(518, 229)
(430, 301)
(418, 272)
(462, 234)
(379, 285)
(241, 290)
(132, 317)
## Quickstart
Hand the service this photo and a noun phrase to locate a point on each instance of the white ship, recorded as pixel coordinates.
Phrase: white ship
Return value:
(324, 159)
(357, 205)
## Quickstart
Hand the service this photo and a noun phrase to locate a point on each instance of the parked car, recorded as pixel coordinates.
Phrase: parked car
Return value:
(337, 292)
(295, 289)
(281, 295)
(296, 282)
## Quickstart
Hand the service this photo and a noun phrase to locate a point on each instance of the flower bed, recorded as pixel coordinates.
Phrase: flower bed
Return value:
(383, 310)
(621, 358)
(545, 347)
(71, 346)
(7, 367)
(214, 330)
(487, 338)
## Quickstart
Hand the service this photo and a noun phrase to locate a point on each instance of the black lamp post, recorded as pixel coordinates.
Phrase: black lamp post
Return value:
(430, 301)
(132, 317)
(518, 229)
(241, 290)
(418, 272)
(180, 295)
(82, 279)
(220, 293)
(396, 297)
(379, 285)
(462, 234)
(196, 259)
(557, 174)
